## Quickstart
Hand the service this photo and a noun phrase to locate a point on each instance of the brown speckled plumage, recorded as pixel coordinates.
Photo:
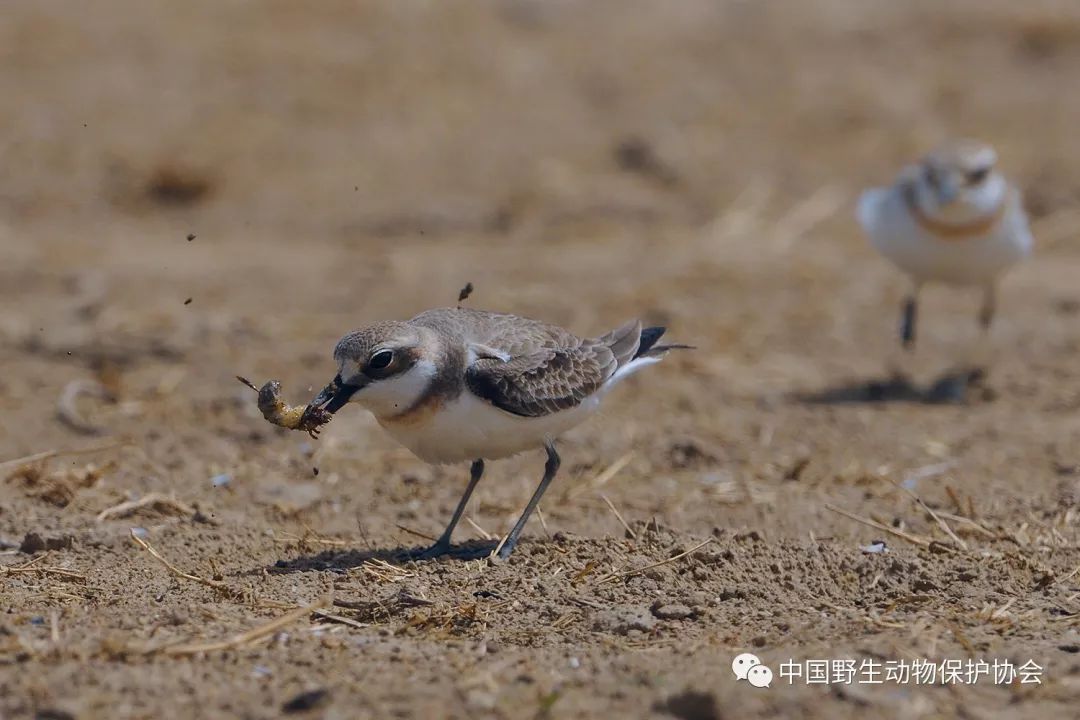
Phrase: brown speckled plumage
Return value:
(548, 368)
(525, 367)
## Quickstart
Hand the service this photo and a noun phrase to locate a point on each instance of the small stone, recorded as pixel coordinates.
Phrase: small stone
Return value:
(875, 546)
(623, 620)
(671, 611)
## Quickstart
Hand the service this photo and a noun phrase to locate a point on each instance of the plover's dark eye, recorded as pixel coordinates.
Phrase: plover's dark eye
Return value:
(381, 359)
(931, 177)
(977, 176)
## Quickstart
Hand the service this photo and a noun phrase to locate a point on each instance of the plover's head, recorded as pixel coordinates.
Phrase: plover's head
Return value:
(958, 182)
(386, 368)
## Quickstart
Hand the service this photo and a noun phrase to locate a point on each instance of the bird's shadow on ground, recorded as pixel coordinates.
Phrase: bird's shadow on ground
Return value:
(956, 386)
(343, 560)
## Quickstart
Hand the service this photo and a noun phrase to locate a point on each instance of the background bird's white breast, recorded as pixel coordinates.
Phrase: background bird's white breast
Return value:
(893, 231)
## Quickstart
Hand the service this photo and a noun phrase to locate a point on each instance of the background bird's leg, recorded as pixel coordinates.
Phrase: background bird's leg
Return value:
(550, 468)
(442, 545)
(988, 307)
(899, 361)
(909, 316)
(957, 384)
(981, 355)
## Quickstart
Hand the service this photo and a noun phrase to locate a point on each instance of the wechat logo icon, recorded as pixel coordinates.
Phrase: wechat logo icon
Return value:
(748, 667)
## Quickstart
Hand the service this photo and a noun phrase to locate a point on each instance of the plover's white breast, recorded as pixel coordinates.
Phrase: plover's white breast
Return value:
(469, 427)
(972, 260)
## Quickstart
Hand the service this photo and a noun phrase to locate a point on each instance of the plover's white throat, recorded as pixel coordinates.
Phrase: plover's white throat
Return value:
(953, 218)
(456, 384)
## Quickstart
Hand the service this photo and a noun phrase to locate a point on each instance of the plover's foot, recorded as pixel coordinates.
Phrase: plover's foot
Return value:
(506, 550)
(440, 548)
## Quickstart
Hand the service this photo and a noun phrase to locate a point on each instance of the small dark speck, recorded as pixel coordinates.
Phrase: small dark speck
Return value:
(306, 701)
(1068, 306)
(315, 471)
(188, 301)
(356, 188)
(190, 237)
(53, 714)
(465, 292)
(69, 352)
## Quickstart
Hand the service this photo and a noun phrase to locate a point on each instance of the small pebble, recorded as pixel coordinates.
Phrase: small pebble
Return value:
(671, 611)
(876, 546)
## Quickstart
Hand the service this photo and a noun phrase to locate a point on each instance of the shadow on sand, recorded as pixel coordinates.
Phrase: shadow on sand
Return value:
(342, 560)
(954, 387)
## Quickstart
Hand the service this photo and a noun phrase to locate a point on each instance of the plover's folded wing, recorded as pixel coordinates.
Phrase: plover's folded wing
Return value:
(542, 382)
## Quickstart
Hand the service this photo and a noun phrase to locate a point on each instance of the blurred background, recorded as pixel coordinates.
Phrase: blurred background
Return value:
(695, 163)
(195, 190)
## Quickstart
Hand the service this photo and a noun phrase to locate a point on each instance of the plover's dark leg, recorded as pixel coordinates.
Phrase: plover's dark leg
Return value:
(442, 545)
(550, 468)
(908, 317)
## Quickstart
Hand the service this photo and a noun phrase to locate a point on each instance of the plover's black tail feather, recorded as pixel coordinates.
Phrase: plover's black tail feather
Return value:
(647, 347)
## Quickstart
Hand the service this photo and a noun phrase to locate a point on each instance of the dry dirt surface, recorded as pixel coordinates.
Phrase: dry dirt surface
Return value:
(195, 190)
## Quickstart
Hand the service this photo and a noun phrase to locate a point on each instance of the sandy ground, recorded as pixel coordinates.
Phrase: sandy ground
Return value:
(691, 163)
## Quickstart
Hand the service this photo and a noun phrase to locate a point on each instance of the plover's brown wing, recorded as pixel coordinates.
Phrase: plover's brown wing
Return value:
(543, 382)
(528, 367)
(552, 371)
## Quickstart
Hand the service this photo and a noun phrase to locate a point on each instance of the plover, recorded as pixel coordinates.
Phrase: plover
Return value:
(952, 218)
(455, 385)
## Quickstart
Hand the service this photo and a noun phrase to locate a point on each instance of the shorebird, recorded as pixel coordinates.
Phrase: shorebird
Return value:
(952, 218)
(455, 385)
